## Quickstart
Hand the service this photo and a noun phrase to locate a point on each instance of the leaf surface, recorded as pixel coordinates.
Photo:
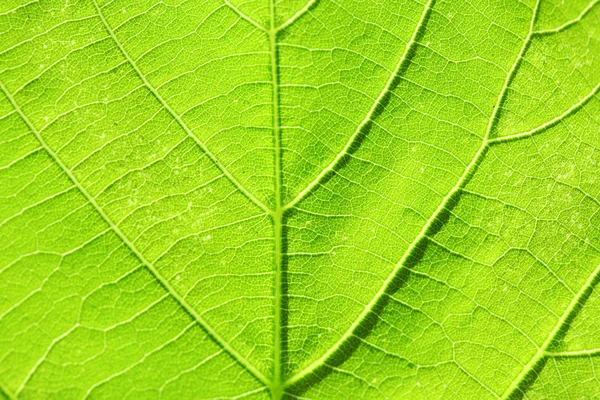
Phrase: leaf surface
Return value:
(299, 199)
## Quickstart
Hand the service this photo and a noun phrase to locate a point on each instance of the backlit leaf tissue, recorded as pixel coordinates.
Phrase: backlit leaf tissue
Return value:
(299, 199)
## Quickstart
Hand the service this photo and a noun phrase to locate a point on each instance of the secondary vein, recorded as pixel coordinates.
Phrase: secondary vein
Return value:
(575, 353)
(571, 110)
(570, 23)
(184, 304)
(176, 116)
(7, 392)
(378, 101)
(560, 324)
(244, 16)
(296, 16)
(464, 178)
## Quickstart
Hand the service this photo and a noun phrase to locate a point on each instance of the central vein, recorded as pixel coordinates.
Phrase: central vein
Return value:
(277, 384)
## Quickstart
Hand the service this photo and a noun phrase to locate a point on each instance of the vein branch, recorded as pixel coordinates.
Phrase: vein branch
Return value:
(182, 302)
(573, 109)
(7, 392)
(296, 16)
(577, 353)
(568, 24)
(177, 117)
(404, 59)
(561, 324)
(245, 16)
(462, 181)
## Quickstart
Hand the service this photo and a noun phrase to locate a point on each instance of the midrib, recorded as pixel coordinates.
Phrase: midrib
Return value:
(278, 213)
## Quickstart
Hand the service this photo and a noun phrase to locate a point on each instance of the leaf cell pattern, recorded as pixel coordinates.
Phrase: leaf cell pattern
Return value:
(299, 199)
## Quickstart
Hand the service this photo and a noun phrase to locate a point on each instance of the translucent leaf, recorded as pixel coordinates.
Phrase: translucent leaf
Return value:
(299, 199)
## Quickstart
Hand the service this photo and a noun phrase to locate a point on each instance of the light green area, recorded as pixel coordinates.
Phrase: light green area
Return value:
(309, 199)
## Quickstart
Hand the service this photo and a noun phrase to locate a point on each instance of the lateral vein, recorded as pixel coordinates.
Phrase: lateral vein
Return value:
(570, 23)
(176, 116)
(7, 392)
(573, 109)
(464, 178)
(184, 304)
(576, 353)
(560, 324)
(244, 16)
(296, 16)
(378, 101)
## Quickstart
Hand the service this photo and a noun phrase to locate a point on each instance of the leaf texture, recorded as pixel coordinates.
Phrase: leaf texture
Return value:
(307, 199)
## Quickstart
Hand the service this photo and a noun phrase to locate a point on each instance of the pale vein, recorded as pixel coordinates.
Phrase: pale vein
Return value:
(378, 101)
(468, 172)
(176, 116)
(209, 329)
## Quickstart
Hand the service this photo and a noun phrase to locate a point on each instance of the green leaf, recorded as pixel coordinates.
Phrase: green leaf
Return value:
(299, 199)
